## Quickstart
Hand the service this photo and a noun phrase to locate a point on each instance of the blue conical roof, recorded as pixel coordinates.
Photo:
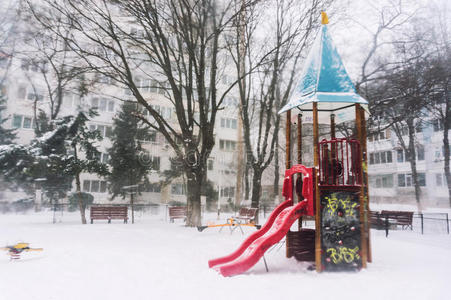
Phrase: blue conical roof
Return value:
(324, 79)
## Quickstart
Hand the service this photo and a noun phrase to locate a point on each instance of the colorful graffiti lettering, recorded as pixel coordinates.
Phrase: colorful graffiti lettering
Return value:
(348, 207)
(343, 254)
(332, 204)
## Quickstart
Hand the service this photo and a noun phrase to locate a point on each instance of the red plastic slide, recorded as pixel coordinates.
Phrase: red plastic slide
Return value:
(253, 248)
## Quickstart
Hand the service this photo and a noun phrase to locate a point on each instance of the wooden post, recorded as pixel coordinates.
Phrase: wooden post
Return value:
(332, 126)
(366, 184)
(288, 141)
(317, 200)
(288, 163)
(299, 142)
(363, 246)
(299, 139)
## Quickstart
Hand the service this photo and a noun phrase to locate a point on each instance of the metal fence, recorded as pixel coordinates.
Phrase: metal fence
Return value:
(431, 223)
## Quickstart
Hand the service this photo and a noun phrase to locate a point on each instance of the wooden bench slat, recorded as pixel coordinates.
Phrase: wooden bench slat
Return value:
(108, 213)
(177, 212)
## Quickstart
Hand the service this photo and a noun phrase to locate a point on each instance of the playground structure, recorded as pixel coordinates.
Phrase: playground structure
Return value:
(334, 191)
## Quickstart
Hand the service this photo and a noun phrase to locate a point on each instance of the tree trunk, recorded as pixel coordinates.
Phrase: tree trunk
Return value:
(446, 151)
(132, 206)
(81, 205)
(413, 163)
(276, 170)
(256, 190)
(193, 217)
(247, 187)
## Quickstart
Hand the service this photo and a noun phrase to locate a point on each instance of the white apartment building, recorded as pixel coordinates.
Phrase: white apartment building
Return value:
(390, 174)
(23, 84)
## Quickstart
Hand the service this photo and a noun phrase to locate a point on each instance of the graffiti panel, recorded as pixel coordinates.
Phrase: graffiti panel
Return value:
(340, 230)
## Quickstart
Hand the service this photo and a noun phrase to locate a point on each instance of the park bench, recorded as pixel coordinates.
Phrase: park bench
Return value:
(401, 218)
(177, 212)
(100, 212)
(246, 216)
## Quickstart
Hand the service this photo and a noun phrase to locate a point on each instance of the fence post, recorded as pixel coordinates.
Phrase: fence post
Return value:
(447, 223)
(421, 215)
(386, 226)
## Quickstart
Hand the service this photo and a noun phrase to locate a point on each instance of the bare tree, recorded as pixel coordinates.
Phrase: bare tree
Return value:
(174, 46)
(440, 76)
(53, 63)
(392, 17)
(8, 25)
(267, 69)
(400, 102)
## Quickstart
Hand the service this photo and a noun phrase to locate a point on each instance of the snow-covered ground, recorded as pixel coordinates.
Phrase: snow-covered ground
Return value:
(154, 259)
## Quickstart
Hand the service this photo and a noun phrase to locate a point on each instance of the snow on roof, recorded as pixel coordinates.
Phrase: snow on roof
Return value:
(324, 80)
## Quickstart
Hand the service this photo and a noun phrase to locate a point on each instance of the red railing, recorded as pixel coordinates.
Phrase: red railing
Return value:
(340, 162)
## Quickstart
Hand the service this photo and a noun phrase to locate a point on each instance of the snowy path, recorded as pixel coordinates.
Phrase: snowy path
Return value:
(153, 259)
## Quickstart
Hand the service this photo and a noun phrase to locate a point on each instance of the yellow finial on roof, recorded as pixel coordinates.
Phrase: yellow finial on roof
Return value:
(324, 18)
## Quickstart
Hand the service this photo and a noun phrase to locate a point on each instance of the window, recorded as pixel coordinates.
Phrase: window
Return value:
(150, 136)
(153, 188)
(111, 106)
(17, 121)
(210, 165)
(21, 121)
(155, 163)
(422, 179)
(104, 79)
(105, 131)
(161, 89)
(86, 186)
(227, 145)
(371, 158)
(383, 181)
(420, 153)
(400, 155)
(228, 123)
(228, 192)
(108, 131)
(102, 186)
(405, 180)
(404, 130)
(101, 128)
(178, 189)
(21, 91)
(166, 112)
(408, 180)
(105, 158)
(26, 122)
(389, 157)
(378, 182)
(94, 186)
(153, 87)
(437, 125)
(127, 92)
(383, 158)
(35, 96)
(102, 104)
(377, 158)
